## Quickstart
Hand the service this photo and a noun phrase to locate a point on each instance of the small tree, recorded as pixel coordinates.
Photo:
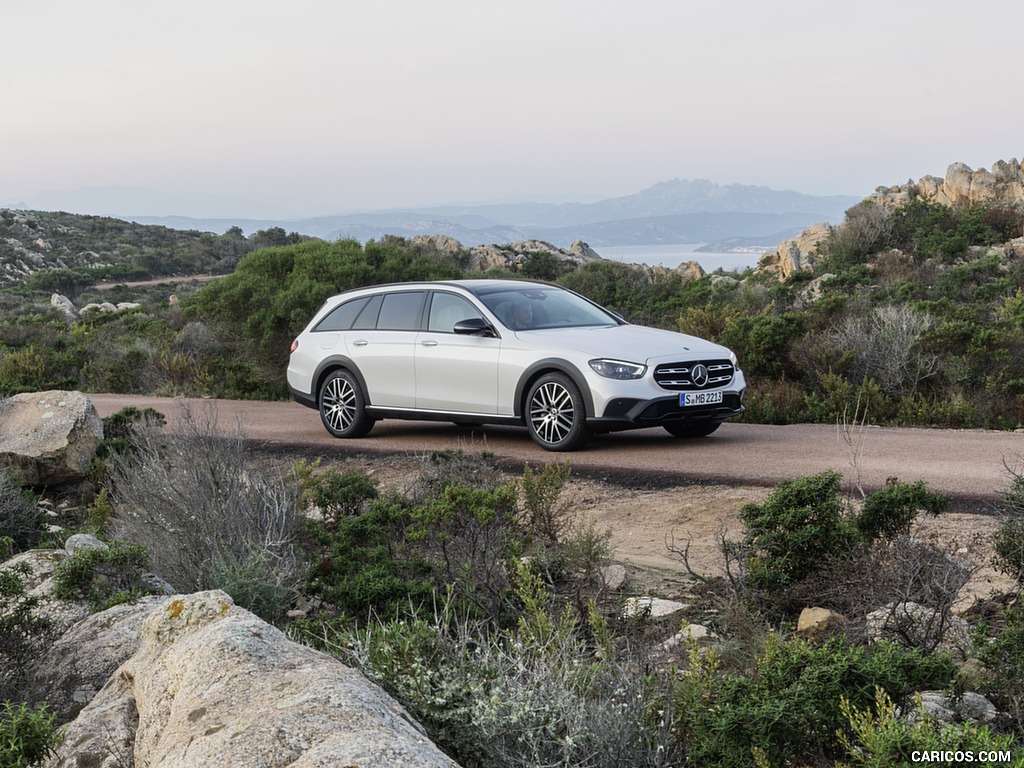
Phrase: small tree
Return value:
(795, 531)
(1008, 541)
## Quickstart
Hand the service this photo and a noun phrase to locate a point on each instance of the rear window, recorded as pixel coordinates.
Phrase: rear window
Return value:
(401, 311)
(341, 318)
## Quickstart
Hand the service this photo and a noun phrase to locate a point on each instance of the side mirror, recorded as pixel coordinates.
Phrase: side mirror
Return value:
(474, 326)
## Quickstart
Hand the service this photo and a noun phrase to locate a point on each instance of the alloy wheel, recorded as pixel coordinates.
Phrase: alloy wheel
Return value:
(555, 414)
(339, 404)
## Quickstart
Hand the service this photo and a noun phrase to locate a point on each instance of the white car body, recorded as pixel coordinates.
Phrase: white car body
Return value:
(485, 370)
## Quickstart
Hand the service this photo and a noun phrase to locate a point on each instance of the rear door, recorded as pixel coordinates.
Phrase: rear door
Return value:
(382, 346)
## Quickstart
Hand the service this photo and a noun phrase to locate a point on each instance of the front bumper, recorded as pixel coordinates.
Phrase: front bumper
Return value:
(629, 413)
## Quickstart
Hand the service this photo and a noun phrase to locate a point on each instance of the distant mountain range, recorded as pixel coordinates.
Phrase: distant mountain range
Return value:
(671, 212)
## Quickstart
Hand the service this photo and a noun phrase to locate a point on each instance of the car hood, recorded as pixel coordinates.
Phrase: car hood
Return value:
(631, 343)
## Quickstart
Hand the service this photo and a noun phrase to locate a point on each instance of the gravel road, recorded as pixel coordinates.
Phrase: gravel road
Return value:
(966, 464)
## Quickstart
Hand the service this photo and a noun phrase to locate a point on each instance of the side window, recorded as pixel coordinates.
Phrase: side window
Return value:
(342, 317)
(367, 319)
(401, 311)
(446, 309)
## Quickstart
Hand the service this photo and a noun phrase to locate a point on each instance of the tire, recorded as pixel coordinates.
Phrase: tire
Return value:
(555, 414)
(700, 429)
(342, 405)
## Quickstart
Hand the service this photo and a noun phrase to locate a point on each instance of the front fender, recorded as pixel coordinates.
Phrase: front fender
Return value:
(549, 365)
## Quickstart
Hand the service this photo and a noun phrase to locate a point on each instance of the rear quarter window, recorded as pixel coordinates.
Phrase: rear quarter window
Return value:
(342, 317)
(367, 319)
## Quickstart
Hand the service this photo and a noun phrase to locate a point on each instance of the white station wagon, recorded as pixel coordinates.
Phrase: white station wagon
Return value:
(506, 352)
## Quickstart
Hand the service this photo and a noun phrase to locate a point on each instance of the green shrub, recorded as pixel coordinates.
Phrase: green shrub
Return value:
(389, 555)
(546, 512)
(1001, 650)
(865, 229)
(20, 516)
(794, 531)
(763, 343)
(889, 511)
(103, 577)
(1008, 541)
(929, 229)
(27, 736)
(788, 709)
(775, 401)
(338, 495)
(23, 634)
(806, 529)
(439, 469)
(883, 737)
(470, 537)
(365, 563)
(586, 550)
(273, 292)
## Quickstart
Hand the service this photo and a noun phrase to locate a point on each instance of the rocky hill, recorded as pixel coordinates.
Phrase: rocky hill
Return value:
(1003, 185)
(32, 241)
(961, 186)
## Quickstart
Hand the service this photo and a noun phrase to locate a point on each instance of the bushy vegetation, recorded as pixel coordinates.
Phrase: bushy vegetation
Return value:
(103, 577)
(473, 598)
(94, 248)
(920, 317)
(788, 709)
(1009, 540)
(533, 693)
(27, 735)
(884, 736)
(208, 521)
(20, 516)
(23, 633)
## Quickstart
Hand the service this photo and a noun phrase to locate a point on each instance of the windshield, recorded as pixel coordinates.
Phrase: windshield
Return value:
(530, 309)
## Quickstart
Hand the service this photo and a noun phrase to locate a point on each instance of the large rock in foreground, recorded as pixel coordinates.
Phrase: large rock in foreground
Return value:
(49, 438)
(212, 685)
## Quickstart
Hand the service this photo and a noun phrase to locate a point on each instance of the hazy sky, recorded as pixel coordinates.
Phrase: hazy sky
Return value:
(306, 107)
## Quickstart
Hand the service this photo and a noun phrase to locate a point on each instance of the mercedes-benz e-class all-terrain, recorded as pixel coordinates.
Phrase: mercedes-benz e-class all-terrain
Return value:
(506, 352)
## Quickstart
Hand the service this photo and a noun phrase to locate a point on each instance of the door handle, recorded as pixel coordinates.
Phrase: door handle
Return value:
(428, 343)
(360, 343)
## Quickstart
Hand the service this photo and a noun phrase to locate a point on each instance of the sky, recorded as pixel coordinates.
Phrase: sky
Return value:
(310, 107)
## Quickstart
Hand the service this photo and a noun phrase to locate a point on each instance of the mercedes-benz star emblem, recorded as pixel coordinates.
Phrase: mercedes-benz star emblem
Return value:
(700, 375)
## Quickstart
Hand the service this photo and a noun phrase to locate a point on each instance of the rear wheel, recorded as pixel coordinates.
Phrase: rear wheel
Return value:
(700, 429)
(343, 406)
(556, 415)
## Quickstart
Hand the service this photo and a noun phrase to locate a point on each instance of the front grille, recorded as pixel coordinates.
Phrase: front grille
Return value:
(694, 375)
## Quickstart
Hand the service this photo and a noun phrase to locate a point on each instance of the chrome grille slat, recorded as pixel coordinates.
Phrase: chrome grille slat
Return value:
(677, 376)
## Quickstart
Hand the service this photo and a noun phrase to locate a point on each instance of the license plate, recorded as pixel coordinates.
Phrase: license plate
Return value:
(699, 398)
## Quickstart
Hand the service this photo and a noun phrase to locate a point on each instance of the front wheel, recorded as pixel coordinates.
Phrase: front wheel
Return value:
(700, 429)
(343, 406)
(555, 414)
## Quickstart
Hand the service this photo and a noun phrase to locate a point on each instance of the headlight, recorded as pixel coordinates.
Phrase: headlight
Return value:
(618, 369)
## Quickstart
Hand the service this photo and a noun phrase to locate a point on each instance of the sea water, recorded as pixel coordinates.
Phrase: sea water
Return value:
(672, 256)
